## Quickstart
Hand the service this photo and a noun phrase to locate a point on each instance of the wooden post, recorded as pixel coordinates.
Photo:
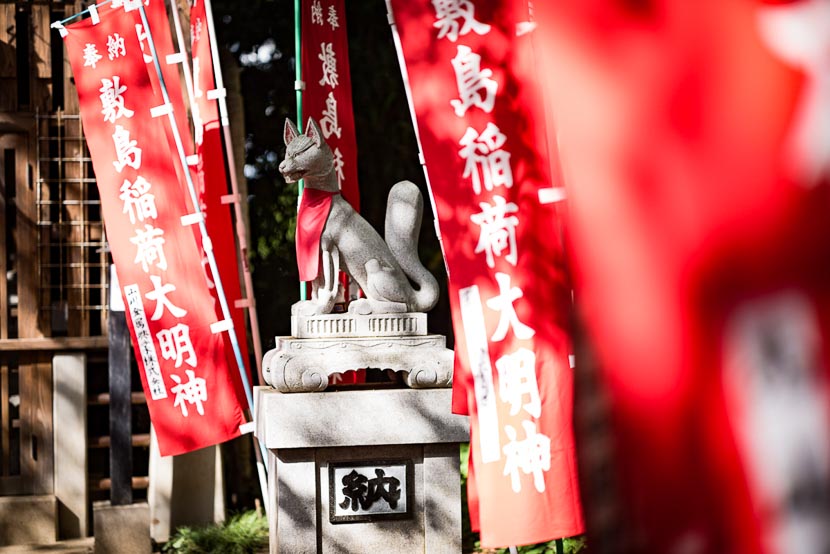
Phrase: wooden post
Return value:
(121, 453)
(42, 59)
(8, 60)
(73, 226)
(71, 465)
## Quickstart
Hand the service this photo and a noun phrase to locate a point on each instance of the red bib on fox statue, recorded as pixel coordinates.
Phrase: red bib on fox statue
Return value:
(315, 206)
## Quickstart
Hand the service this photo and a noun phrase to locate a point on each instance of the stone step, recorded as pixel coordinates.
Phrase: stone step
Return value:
(28, 519)
(75, 546)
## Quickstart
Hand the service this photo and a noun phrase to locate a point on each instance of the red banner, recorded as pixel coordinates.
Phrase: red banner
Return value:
(471, 81)
(181, 362)
(698, 191)
(210, 178)
(170, 61)
(328, 86)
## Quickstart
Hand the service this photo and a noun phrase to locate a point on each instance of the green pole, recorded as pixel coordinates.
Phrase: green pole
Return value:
(298, 87)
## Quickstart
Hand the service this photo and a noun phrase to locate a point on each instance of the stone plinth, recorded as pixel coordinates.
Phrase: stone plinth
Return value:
(187, 489)
(305, 365)
(358, 325)
(314, 440)
(122, 529)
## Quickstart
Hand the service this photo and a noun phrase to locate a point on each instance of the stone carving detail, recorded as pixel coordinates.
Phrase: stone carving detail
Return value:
(357, 325)
(331, 236)
(304, 365)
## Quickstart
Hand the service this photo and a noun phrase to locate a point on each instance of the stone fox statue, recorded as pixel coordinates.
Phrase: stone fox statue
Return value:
(330, 232)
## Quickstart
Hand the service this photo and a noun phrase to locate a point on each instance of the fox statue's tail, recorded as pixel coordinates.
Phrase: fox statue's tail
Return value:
(404, 210)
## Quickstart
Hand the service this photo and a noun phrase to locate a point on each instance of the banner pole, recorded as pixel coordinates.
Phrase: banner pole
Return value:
(299, 86)
(241, 232)
(206, 243)
(59, 24)
(186, 69)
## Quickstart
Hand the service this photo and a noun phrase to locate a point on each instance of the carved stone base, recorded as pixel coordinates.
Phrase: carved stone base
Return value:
(304, 365)
(358, 325)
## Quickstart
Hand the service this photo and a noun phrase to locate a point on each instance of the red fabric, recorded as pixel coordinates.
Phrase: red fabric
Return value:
(688, 226)
(319, 33)
(211, 183)
(315, 206)
(487, 157)
(355, 377)
(163, 40)
(472, 494)
(190, 394)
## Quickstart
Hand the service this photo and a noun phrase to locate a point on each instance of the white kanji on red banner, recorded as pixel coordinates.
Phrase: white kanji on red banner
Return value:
(127, 151)
(316, 12)
(456, 18)
(91, 56)
(332, 19)
(115, 46)
(517, 382)
(149, 248)
(486, 161)
(528, 456)
(182, 363)
(328, 57)
(139, 202)
(475, 87)
(193, 392)
(497, 230)
(504, 304)
(328, 123)
(159, 296)
(176, 345)
(112, 100)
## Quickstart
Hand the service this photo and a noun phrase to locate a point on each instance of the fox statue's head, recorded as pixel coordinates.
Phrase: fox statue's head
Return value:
(308, 157)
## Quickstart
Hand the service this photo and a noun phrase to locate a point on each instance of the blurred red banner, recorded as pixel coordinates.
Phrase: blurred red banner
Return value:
(701, 242)
(181, 361)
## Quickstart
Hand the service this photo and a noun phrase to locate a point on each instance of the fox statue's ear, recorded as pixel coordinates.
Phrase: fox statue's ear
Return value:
(290, 132)
(313, 132)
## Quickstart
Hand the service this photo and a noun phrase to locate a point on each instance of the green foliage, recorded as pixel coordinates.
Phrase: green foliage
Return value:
(276, 225)
(573, 545)
(243, 533)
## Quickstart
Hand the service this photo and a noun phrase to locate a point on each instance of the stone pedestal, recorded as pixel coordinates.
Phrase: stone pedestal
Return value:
(305, 365)
(187, 489)
(362, 471)
(325, 345)
(122, 529)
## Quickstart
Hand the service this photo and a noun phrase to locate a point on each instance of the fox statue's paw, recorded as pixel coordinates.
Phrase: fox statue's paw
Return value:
(366, 306)
(308, 308)
(387, 306)
(361, 306)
